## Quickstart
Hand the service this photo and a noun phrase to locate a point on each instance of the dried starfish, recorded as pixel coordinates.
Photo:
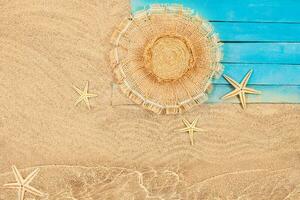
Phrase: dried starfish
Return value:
(190, 128)
(23, 184)
(240, 89)
(84, 95)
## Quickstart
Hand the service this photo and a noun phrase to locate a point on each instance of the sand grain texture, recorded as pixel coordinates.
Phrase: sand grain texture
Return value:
(119, 151)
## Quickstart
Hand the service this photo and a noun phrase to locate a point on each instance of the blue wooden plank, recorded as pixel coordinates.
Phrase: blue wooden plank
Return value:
(237, 10)
(266, 32)
(263, 35)
(270, 94)
(263, 74)
(281, 53)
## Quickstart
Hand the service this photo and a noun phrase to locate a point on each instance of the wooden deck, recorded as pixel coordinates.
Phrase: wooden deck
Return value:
(262, 35)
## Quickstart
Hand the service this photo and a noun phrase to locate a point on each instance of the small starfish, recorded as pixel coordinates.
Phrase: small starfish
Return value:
(190, 128)
(84, 95)
(240, 89)
(23, 184)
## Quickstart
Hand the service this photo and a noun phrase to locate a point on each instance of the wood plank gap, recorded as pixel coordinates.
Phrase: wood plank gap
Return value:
(254, 22)
(259, 63)
(256, 42)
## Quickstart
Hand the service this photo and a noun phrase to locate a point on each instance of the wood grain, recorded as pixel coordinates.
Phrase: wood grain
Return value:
(264, 74)
(257, 32)
(256, 53)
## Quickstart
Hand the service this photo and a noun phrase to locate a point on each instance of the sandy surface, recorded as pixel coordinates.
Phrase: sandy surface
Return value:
(119, 151)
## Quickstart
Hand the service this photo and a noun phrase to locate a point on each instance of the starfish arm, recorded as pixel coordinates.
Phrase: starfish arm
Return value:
(87, 102)
(86, 88)
(232, 82)
(31, 176)
(246, 79)
(183, 130)
(17, 174)
(191, 134)
(186, 122)
(243, 100)
(251, 91)
(32, 190)
(78, 90)
(198, 129)
(11, 185)
(79, 100)
(194, 123)
(21, 193)
(91, 95)
(231, 94)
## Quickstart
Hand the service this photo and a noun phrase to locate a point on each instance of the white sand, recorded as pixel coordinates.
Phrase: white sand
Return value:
(48, 46)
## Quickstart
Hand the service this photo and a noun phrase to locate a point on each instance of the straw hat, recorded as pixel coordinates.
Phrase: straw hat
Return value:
(164, 58)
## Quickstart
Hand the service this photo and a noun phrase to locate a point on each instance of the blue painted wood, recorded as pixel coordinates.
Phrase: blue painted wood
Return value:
(270, 94)
(263, 35)
(237, 10)
(283, 53)
(257, 32)
(263, 74)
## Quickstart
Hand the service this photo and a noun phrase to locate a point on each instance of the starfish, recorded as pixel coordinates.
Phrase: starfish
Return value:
(84, 95)
(240, 89)
(23, 184)
(190, 128)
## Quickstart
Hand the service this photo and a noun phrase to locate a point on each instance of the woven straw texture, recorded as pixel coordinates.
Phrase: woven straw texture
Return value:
(165, 57)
